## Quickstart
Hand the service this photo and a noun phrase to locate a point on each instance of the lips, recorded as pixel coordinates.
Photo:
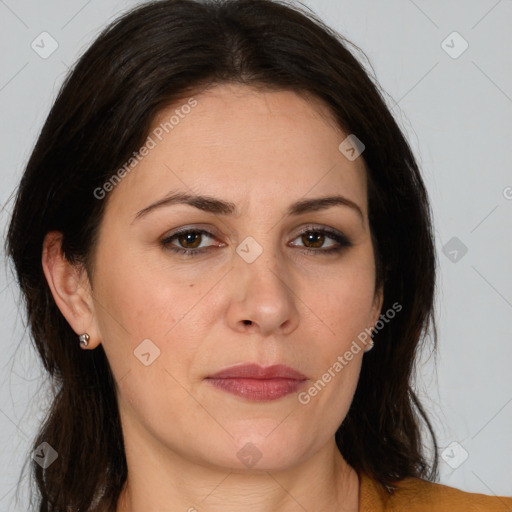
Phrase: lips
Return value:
(256, 383)
(254, 371)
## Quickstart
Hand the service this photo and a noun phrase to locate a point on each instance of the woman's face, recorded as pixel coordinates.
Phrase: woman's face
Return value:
(268, 287)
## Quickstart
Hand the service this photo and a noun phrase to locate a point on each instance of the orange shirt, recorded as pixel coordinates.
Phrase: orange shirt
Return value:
(417, 495)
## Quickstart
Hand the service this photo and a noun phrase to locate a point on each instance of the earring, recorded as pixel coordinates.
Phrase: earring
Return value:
(370, 344)
(84, 340)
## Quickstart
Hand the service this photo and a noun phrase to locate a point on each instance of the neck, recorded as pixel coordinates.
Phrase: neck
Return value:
(161, 481)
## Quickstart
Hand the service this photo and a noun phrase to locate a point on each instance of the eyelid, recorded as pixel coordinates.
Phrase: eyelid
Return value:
(336, 235)
(206, 231)
(196, 228)
(342, 241)
(317, 227)
(190, 229)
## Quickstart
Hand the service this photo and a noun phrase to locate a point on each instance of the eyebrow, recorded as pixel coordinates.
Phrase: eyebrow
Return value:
(219, 207)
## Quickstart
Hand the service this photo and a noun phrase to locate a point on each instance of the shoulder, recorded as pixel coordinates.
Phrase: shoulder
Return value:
(424, 495)
(417, 495)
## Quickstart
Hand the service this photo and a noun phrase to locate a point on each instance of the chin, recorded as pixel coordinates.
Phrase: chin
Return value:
(266, 449)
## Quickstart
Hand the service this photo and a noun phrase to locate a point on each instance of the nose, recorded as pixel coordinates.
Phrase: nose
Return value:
(262, 298)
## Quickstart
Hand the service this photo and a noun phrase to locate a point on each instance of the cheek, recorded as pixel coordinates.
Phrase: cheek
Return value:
(149, 340)
(137, 301)
(347, 298)
(345, 307)
(143, 297)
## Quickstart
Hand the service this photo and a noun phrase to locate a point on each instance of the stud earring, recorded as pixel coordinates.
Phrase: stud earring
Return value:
(370, 343)
(370, 346)
(84, 340)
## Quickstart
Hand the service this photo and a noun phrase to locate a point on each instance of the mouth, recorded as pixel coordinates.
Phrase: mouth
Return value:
(257, 383)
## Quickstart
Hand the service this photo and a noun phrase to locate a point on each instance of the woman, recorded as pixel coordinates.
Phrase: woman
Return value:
(223, 214)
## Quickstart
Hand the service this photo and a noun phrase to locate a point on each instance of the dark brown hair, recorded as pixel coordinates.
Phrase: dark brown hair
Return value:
(153, 56)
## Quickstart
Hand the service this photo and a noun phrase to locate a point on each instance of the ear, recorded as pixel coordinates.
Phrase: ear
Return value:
(70, 288)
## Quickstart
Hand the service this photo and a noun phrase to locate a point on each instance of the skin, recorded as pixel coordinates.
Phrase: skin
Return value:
(261, 151)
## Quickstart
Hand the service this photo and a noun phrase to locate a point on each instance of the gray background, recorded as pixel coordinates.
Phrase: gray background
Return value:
(457, 114)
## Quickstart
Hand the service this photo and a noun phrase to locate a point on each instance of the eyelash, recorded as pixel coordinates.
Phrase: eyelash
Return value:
(338, 237)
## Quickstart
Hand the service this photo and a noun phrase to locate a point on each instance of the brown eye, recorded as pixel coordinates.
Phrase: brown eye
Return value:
(313, 241)
(190, 240)
(313, 238)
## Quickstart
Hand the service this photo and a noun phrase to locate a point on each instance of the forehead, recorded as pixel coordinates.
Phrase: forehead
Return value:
(241, 144)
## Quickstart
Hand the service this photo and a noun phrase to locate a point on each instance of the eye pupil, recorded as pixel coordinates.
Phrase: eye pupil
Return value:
(189, 238)
(316, 239)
